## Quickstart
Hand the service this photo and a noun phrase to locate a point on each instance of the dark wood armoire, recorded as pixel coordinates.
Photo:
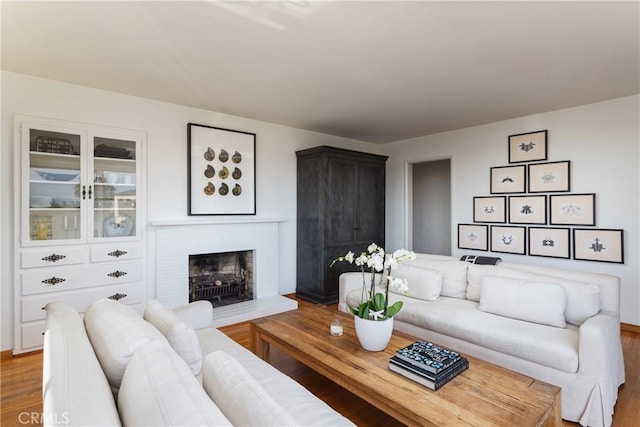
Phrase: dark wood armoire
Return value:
(341, 208)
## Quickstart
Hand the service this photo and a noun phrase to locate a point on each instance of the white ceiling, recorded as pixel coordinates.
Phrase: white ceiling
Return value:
(373, 71)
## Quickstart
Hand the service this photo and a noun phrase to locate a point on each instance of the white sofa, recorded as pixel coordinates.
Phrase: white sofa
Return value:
(116, 368)
(555, 325)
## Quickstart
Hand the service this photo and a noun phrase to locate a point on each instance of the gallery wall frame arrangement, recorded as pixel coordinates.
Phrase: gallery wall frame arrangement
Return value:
(550, 242)
(490, 209)
(550, 177)
(473, 236)
(508, 179)
(508, 239)
(572, 209)
(221, 171)
(528, 147)
(528, 209)
(598, 244)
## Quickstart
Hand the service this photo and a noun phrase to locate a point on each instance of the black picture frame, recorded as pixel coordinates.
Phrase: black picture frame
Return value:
(534, 212)
(490, 209)
(598, 244)
(528, 147)
(572, 209)
(549, 177)
(550, 242)
(508, 179)
(479, 240)
(221, 168)
(509, 239)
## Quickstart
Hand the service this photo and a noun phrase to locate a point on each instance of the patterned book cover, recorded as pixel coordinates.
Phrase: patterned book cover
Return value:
(421, 379)
(428, 356)
(428, 374)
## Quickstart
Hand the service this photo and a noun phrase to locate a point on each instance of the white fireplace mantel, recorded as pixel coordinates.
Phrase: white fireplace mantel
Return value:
(177, 239)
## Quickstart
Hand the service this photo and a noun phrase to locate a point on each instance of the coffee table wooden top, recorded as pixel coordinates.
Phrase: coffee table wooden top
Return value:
(484, 394)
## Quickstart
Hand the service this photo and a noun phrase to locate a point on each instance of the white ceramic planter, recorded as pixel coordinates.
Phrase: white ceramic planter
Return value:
(374, 335)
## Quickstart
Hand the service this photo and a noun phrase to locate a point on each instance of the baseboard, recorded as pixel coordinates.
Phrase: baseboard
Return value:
(6, 354)
(630, 328)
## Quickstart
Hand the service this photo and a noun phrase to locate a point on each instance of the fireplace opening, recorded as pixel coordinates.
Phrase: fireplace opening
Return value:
(222, 278)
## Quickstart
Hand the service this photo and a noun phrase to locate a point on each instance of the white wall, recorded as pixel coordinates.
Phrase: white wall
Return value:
(603, 143)
(166, 125)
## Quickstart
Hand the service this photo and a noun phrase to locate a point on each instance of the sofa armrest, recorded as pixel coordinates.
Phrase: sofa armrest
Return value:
(198, 314)
(600, 348)
(349, 282)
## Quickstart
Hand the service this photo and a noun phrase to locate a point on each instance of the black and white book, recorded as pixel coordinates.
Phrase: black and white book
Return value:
(428, 356)
(425, 373)
(418, 377)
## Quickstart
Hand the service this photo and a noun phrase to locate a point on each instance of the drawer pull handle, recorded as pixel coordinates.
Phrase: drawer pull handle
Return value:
(117, 253)
(54, 280)
(54, 257)
(117, 296)
(117, 274)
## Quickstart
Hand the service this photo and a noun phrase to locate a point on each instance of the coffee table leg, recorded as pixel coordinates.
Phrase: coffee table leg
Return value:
(555, 417)
(259, 346)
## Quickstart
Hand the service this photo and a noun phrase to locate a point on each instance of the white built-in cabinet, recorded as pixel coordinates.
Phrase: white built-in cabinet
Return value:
(80, 215)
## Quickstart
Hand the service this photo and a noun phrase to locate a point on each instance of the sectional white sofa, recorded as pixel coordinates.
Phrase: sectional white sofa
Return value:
(169, 369)
(559, 326)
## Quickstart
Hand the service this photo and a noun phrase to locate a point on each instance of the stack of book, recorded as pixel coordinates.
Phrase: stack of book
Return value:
(428, 364)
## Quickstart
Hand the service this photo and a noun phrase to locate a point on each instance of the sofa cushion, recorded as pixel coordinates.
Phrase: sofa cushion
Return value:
(454, 273)
(424, 283)
(75, 391)
(553, 347)
(583, 299)
(239, 396)
(159, 389)
(181, 336)
(116, 331)
(536, 302)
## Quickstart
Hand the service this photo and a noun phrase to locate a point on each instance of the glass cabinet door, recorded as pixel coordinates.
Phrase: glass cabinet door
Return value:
(115, 178)
(53, 194)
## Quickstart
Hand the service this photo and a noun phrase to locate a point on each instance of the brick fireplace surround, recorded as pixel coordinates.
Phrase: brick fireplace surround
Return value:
(176, 240)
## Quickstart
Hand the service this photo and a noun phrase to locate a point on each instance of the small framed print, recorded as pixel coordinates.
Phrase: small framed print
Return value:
(528, 147)
(490, 209)
(508, 179)
(573, 209)
(472, 236)
(597, 244)
(528, 209)
(552, 177)
(510, 240)
(549, 242)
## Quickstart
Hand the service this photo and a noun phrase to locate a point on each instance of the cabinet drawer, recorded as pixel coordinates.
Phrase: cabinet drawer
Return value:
(32, 335)
(66, 279)
(116, 252)
(53, 257)
(32, 307)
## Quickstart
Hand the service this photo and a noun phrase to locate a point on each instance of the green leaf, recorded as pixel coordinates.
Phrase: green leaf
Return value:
(363, 311)
(352, 310)
(378, 302)
(394, 308)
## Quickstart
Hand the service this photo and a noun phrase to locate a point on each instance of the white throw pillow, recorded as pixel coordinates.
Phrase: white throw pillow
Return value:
(583, 299)
(181, 336)
(535, 302)
(424, 283)
(239, 395)
(116, 331)
(454, 273)
(158, 389)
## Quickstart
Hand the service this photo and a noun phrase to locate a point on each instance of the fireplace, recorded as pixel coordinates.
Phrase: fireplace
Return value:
(222, 278)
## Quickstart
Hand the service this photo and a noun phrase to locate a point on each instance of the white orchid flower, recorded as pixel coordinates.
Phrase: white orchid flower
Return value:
(401, 284)
(349, 257)
(372, 248)
(362, 260)
(376, 262)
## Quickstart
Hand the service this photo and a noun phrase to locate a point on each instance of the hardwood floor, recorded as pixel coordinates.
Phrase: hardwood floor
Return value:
(21, 386)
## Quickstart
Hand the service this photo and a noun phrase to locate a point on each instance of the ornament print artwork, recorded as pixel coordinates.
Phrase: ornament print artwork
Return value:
(223, 172)
(489, 209)
(472, 237)
(526, 210)
(596, 246)
(571, 210)
(548, 242)
(527, 147)
(507, 239)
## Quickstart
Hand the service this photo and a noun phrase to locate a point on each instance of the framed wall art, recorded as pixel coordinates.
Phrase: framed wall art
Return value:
(573, 209)
(472, 236)
(549, 242)
(490, 209)
(506, 239)
(594, 244)
(528, 209)
(550, 177)
(508, 179)
(528, 147)
(221, 171)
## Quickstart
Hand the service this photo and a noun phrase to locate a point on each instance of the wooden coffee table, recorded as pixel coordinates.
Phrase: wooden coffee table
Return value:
(484, 394)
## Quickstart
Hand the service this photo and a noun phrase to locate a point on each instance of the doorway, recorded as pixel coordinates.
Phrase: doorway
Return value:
(431, 207)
